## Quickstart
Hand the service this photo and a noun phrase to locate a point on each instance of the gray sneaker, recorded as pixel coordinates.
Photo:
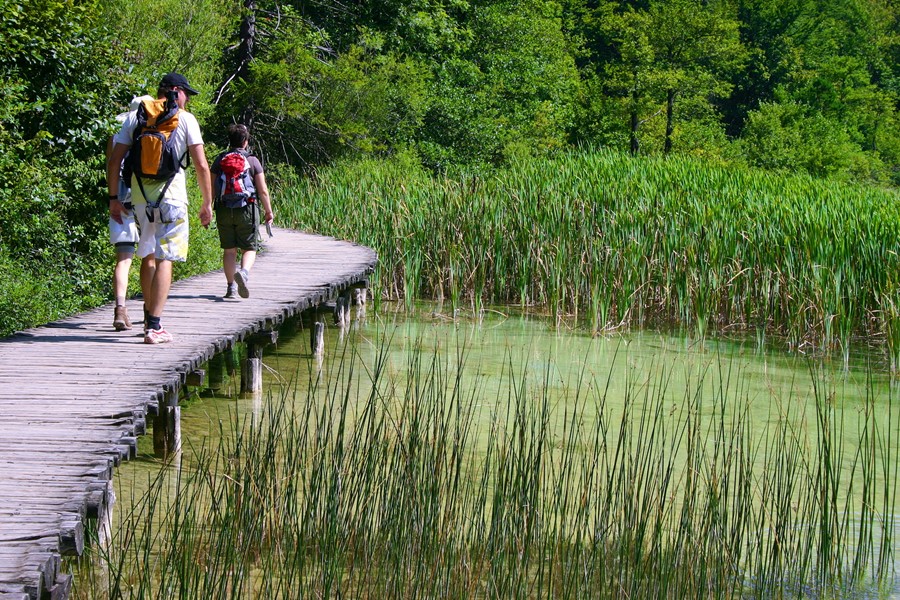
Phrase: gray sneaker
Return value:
(241, 278)
(231, 291)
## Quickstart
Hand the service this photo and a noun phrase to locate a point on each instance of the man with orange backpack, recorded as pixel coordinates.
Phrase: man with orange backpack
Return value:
(240, 188)
(161, 139)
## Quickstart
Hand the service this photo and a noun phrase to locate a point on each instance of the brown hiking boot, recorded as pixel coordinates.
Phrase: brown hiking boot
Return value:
(121, 320)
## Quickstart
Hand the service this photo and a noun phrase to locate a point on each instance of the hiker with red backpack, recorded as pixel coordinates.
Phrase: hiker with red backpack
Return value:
(240, 188)
(160, 139)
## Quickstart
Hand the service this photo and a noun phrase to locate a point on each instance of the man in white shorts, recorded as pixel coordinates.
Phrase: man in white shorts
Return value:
(163, 228)
(123, 235)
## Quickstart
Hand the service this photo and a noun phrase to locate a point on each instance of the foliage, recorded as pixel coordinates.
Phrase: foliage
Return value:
(55, 96)
(672, 51)
(810, 87)
(829, 65)
(187, 36)
(618, 242)
(512, 92)
(785, 137)
(310, 106)
(506, 84)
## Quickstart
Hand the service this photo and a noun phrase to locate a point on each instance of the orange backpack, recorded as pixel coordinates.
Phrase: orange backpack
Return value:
(153, 154)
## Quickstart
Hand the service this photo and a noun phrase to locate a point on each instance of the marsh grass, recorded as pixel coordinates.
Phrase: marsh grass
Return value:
(405, 483)
(615, 241)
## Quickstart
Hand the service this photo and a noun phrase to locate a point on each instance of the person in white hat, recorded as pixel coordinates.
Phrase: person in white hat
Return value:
(123, 235)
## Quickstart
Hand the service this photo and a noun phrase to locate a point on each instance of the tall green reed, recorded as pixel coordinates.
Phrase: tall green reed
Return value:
(620, 241)
(387, 482)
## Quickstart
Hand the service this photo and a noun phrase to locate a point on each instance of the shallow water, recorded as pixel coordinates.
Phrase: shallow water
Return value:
(599, 378)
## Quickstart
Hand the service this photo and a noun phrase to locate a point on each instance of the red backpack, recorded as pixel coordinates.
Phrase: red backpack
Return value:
(234, 186)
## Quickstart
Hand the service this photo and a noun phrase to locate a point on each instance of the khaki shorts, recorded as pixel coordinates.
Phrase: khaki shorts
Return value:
(238, 227)
(166, 236)
(124, 236)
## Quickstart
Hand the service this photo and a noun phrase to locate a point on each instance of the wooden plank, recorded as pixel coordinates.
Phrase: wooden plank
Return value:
(74, 394)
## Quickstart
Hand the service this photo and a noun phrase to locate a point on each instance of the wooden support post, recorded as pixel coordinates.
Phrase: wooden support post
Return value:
(195, 378)
(100, 500)
(251, 367)
(317, 338)
(62, 587)
(231, 362)
(359, 294)
(342, 310)
(71, 536)
(217, 372)
(167, 427)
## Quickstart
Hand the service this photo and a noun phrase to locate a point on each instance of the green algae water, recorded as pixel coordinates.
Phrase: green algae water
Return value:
(498, 457)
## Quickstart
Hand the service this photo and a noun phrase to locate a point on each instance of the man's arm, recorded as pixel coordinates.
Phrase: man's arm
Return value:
(113, 164)
(262, 190)
(203, 181)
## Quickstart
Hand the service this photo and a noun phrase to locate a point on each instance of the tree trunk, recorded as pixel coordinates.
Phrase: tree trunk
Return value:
(670, 109)
(243, 55)
(248, 39)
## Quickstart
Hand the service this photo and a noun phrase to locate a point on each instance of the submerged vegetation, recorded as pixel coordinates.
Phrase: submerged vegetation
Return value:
(617, 242)
(407, 481)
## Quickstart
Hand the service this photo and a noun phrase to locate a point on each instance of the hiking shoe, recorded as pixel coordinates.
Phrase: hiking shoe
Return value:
(231, 291)
(157, 336)
(241, 277)
(120, 319)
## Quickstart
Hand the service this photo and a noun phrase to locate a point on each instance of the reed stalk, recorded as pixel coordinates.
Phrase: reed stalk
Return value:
(380, 481)
(618, 241)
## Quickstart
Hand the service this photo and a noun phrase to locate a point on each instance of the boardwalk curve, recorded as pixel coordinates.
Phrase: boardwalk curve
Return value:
(74, 395)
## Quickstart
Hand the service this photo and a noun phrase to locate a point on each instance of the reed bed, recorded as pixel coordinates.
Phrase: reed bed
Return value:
(616, 241)
(386, 483)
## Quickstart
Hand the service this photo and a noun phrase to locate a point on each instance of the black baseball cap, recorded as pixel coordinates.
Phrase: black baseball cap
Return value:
(178, 80)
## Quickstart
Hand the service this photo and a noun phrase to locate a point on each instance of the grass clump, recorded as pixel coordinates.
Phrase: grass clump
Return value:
(617, 241)
(404, 486)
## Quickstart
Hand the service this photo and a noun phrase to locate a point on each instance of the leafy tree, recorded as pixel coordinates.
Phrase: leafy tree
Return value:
(784, 137)
(697, 48)
(512, 91)
(155, 37)
(56, 99)
(55, 107)
(833, 60)
(457, 81)
(674, 49)
(422, 28)
(632, 75)
(312, 105)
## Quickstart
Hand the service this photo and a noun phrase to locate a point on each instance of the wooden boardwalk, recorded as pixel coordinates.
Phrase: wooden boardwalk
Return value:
(74, 395)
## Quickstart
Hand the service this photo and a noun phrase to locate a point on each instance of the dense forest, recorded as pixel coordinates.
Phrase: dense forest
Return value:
(810, 86)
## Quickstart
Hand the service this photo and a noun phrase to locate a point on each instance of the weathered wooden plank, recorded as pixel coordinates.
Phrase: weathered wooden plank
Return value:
(74, 394)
